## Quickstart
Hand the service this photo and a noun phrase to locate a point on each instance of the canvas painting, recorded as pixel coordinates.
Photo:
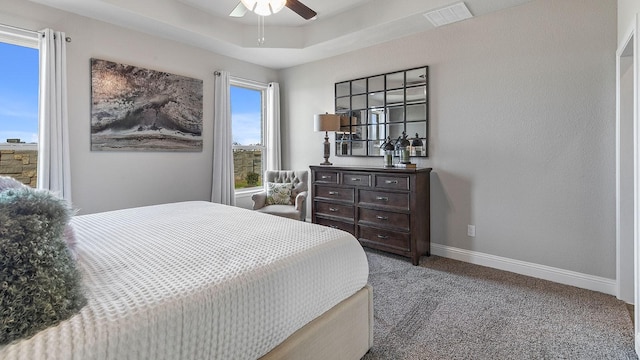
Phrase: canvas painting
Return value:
(137, 109)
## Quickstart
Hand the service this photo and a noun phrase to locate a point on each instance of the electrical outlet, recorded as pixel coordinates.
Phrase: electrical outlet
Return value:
(471, 230)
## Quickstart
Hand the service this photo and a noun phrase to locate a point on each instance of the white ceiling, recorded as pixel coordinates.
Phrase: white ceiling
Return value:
(341, 26)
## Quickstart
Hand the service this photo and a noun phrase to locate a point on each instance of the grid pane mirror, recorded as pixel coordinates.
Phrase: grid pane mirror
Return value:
(380, 106)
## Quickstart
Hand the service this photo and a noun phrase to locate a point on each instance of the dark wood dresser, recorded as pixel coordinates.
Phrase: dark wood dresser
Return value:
(386, 209)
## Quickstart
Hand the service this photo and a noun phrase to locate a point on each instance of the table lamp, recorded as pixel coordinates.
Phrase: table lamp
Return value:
(326, 122)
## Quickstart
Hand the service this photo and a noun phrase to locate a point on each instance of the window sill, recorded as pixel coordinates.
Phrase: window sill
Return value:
(21, 146)
(247, 192)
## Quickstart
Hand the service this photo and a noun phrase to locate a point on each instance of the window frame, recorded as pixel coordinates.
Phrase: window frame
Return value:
(28, 39)
(262, 87)
(20, 37)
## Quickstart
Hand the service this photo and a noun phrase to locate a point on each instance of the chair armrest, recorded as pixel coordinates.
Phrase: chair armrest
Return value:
(300, 199)
(259, 200)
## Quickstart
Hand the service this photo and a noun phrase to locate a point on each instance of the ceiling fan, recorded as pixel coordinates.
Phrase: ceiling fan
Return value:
(268, 7)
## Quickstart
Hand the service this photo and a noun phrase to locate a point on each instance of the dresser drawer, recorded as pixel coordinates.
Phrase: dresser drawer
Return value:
(386, 199)
(384, 218)
(393, 239)
(348, 227)
(356, 179)
(334, 193)
(328, 177)
(396, 182)
(323, 208)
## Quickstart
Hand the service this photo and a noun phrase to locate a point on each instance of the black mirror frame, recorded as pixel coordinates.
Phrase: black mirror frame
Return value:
(378, 106)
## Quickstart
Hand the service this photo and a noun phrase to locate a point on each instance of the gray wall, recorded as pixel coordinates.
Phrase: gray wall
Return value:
(113, 180)
(522, 128)
(627, 10)
(521, 137)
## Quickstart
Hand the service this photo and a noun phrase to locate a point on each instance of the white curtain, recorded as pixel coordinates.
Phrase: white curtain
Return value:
(273, 160)
(54, 172)
(222, 184)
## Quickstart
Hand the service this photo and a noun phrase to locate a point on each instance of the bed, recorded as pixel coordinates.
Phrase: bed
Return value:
(197, 280)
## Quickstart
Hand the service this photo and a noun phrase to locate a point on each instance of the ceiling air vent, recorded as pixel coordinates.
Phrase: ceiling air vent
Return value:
(449, 14)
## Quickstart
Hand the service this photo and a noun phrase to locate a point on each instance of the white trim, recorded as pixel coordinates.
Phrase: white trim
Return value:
(10, 146)
(567, 277)
(618, 155)
(20, 37)
(262, 88)
(249, 147)
(247, 192)
(618, 177)
(246, 83)
(636, 175)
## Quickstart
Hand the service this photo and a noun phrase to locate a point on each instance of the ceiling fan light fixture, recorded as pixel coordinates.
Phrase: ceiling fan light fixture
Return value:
(264, 7)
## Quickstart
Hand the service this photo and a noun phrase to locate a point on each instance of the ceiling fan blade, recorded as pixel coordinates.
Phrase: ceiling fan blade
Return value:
(301, 9)
(239, 11)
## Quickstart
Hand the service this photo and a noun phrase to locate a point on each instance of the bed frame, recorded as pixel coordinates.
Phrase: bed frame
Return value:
(344, 332)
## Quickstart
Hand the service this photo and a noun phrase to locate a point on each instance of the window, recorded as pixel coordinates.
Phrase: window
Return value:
(19, 82)
(248, 124)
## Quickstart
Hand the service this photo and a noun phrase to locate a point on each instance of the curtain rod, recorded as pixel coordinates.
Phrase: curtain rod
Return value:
(67, 39)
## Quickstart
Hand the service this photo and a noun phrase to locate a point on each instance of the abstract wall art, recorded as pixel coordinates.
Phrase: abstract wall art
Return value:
(137, 109)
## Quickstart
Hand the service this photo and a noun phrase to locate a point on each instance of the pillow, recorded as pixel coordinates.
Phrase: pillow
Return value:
(40, 283)
(7, 182)
(279, 193)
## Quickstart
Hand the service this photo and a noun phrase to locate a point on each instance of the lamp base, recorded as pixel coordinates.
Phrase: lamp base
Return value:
(327, 149)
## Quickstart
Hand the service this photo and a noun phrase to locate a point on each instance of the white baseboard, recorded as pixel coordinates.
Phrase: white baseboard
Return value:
(590, 282)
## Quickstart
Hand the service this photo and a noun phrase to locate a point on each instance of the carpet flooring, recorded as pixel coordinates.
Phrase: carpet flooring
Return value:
(447, 309)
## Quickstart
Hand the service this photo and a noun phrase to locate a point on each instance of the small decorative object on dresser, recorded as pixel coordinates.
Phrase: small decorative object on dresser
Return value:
(387, 147)
(416, 146)
(385, 208)
(403, 147)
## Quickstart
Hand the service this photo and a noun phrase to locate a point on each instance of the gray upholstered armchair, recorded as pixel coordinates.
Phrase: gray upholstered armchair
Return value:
(295, 207)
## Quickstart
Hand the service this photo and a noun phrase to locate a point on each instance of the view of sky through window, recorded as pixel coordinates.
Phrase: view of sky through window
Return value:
(19, 100)
(18, 93)
(246, 107)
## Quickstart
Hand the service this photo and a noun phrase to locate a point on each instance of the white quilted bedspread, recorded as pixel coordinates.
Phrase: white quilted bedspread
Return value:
(197, 280)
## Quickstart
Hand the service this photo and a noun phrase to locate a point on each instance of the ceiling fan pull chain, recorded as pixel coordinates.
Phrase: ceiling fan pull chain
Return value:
(260, 30)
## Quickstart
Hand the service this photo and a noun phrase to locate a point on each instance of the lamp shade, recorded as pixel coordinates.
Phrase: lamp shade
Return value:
(326, 122)
(264, 7)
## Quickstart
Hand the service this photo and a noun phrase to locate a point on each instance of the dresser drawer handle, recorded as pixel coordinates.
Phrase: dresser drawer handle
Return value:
(333, 193)
(382, 217)
(382, 198)
(333, 209)
(391, 181)
(382, 237)
(356, 179)
(333, 226)
(325, 177)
